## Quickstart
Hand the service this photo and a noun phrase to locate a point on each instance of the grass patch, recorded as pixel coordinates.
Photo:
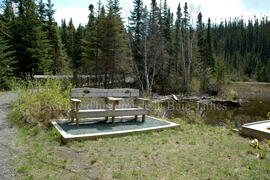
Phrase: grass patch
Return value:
(189, 152)
(246, 89)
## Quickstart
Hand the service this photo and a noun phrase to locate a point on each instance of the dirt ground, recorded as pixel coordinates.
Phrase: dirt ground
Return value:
(6, 171)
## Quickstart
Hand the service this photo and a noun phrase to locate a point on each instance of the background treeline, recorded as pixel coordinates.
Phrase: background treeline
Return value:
(158, 51)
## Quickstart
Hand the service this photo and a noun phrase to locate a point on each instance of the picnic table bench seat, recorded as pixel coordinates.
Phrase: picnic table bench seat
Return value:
(96, 103)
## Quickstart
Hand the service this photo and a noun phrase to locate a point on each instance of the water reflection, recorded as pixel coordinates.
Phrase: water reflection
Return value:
(255, 109)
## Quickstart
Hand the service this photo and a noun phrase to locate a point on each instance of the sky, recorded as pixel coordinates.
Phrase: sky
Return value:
(215, 9)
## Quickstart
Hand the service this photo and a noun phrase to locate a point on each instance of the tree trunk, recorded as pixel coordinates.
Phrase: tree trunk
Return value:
(146, 72)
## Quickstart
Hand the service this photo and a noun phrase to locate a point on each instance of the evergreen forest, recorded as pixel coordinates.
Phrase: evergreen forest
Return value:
(156, 50)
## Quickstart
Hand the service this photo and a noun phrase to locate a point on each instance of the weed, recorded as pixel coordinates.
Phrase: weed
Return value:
(136, 173)
(119, 175)
(37, 104)
(93, 161)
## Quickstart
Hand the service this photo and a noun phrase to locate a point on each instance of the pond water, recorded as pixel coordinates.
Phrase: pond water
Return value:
(254, 109)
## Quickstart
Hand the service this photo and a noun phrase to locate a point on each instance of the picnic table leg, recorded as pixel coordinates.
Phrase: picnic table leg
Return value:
(72, 119)
(114, 104)
(72, 115)
(136, 117)
(106, 107)
(143, 118)
(77, 110)
(77, 121)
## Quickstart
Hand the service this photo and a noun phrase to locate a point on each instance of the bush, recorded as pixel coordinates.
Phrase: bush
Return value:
(39, 104)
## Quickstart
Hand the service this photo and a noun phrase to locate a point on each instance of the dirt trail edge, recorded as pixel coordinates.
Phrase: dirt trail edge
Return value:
(6, 171)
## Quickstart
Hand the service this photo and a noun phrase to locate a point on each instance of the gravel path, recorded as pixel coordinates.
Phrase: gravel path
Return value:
(6, 172)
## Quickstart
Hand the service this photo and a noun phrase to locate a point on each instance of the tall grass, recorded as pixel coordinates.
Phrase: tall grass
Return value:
(40, 102)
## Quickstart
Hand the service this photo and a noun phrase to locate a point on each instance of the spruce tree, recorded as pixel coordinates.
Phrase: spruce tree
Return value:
(6, 58)
(210, 58)
(91, 17)
(30, 43)
(136, 37)
(115, 48)
(202, 55)
(70, 39)
(90, 46)
(64, 33)
(57, 52)
(99, 38)
(135, 22)
(178, 39)
(186, 50)
(200, 38)
(76, 50)
(6, 64)
(42, 11)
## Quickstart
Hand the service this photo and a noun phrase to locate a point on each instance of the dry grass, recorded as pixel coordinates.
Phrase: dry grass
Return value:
(249, 89)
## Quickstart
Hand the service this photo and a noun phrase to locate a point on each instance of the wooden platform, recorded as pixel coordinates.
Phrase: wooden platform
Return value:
(257, 129)
(123, 125)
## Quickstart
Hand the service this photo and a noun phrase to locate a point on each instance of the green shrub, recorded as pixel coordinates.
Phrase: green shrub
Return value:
(40, 103)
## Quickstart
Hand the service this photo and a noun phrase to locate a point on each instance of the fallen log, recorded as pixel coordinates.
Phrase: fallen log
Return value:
(227, 103)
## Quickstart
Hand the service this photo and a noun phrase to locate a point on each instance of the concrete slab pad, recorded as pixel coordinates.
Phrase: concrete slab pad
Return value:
(97, 128)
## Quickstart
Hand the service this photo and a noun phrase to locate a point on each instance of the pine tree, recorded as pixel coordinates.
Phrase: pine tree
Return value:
(64, 33)
(135, 22)
(187, 50)
(41, 11)
(204, 71)
(99, 37)
(178, 39)
(6, 64)
(115, 48)
(58, 55)
(91, 17)
(70, 40)
(200, 38)
(186, 19)
(136, 38)
(7, 19)
(30, 43)
(210, 59)
(76, 50)
(168, 39)
(6, 57)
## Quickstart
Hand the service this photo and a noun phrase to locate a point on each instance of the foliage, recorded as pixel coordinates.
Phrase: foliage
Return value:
(162, 54)
(243, 46)
(262, 147)
(220, 70)
(263, 74)
(6, 63)
(56, 50)
(29, 42)
(39, 103)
